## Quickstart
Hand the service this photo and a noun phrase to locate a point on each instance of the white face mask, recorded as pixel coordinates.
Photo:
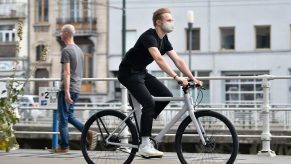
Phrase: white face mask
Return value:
(167, 27)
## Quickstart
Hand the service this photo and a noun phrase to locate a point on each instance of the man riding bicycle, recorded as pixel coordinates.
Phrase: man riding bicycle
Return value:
(150, 46)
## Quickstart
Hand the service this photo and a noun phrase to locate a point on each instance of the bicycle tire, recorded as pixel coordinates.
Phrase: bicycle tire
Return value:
(103, 123)
(217, 150)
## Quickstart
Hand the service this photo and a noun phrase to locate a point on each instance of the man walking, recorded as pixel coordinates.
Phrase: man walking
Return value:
(72, 60)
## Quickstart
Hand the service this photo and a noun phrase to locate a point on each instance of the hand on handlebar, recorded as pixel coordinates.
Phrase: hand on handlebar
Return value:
(198, 82)
(182, 81)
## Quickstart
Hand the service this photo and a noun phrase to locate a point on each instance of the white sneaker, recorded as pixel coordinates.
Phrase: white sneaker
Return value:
(149, 151)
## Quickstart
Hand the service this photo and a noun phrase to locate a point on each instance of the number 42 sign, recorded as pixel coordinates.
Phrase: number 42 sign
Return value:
(48, 96)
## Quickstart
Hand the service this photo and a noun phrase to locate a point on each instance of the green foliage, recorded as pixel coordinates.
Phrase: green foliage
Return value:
(15, 89)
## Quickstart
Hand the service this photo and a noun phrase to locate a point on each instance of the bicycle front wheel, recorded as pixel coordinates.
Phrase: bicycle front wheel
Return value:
(220, 136)
(114, 141)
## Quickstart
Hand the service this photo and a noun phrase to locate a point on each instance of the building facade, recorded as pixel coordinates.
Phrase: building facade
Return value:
(230, 38)
(13, 12)
(90, 20)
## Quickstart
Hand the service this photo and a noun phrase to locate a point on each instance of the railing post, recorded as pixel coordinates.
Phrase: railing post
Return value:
(55, 127)
(123, 109)
(124, 95)
(266, 135)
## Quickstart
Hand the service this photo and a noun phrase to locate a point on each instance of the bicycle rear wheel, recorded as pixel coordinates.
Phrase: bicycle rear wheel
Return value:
(102, 124)
(221, 140)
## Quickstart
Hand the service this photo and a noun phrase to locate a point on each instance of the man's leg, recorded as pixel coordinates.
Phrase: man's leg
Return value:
(157, 89)
(63, 120)
(71, 117)
(138, 89)
(135, 84)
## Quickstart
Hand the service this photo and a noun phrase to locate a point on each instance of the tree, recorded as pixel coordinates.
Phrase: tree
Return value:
(14, 89)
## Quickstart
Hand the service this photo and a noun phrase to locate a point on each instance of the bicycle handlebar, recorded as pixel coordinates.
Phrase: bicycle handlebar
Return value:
(191, 84)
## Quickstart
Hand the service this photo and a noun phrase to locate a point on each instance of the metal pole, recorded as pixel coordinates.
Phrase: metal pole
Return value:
(190, 24)
(55, 127)
(266, 135)
(123, 28)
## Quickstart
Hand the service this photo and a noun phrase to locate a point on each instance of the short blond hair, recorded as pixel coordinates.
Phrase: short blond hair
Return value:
(69, 28)
(158, 14)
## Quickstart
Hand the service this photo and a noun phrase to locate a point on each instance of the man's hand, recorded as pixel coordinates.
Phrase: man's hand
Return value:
(182, 81)
(198, 82)
(68, 98)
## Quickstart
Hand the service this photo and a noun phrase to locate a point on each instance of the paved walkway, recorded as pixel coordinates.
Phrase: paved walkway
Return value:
(30, 156)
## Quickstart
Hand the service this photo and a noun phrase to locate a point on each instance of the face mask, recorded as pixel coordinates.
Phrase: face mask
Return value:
(167, 27)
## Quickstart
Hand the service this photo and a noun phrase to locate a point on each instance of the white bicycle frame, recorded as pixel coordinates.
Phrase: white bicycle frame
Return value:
(187, 107)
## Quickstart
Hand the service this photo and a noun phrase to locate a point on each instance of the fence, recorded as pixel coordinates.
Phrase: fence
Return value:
(258, 117)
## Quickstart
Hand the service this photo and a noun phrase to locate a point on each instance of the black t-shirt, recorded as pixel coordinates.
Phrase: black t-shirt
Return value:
(139, 57)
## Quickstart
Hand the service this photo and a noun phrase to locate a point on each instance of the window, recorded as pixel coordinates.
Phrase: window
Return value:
(195, 39)
(7, 33)
(39, 49)
(263, 37)
(75, 11)
(227, 38)
(41, 73)
(244, 91)
(41, 11)
(88, 70)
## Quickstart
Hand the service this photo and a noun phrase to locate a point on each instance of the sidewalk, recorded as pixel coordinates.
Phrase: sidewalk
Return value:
(32, 156)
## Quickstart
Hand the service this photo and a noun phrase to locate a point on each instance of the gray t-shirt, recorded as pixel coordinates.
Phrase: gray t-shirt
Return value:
(74, 55)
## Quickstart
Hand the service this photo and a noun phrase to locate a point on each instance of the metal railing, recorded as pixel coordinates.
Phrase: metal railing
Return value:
(260, 117)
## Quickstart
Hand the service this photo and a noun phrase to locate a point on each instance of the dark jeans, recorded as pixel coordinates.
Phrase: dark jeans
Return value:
(66, 115)
(142, 86)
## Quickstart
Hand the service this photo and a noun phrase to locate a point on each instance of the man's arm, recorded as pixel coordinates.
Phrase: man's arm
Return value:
(67, 76)
(181, 65)
(162, 63)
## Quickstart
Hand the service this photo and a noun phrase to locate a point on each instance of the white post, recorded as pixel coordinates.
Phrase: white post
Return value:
(123, 109)
(124, 105)
(266, 135)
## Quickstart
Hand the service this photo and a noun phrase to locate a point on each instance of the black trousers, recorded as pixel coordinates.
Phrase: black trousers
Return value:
(143, 86)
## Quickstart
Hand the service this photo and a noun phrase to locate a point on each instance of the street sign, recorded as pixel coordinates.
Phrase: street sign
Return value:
(48, 96)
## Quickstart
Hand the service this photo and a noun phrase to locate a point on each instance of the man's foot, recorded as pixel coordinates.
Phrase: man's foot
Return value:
(59, 150)
(92, 140)
(148, 151)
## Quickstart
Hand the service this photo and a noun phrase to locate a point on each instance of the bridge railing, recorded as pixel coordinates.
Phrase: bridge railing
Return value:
(260, 117)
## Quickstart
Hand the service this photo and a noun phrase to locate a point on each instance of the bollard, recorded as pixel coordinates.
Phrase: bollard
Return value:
(55, 129)
(266, 135)
(55, 124)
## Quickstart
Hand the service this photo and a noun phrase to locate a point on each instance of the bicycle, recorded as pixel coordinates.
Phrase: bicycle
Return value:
(197, 138)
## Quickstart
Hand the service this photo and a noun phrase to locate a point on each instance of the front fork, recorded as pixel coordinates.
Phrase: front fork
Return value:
(199, 128)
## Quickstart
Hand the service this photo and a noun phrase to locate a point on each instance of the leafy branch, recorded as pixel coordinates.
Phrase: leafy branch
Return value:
(8, 103)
